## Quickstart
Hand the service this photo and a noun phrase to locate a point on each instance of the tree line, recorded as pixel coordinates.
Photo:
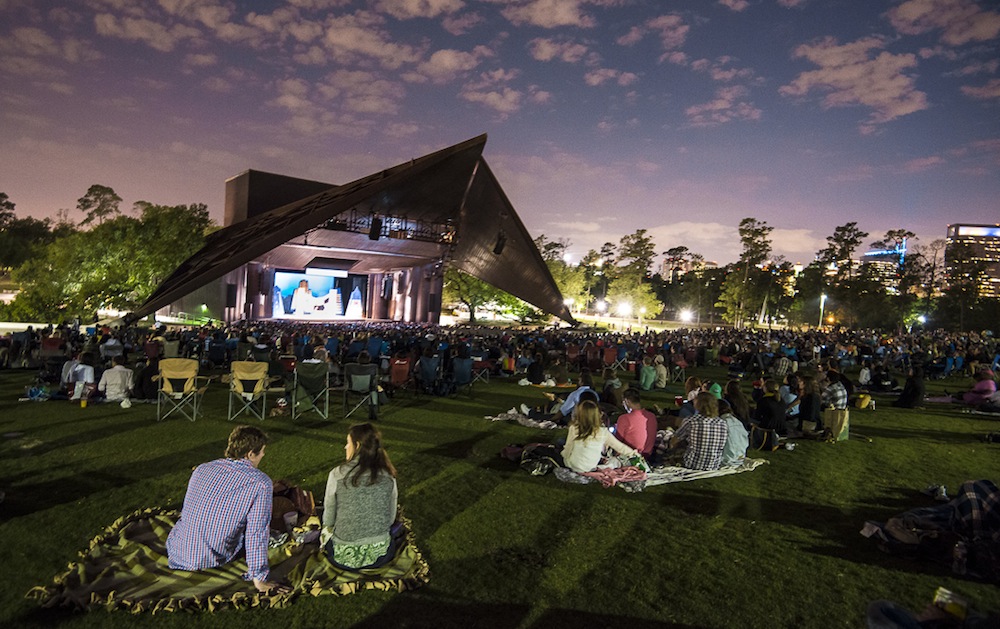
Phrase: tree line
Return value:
(109, 259)
(907, 285)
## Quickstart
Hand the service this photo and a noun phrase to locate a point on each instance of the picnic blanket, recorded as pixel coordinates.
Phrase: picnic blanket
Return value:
(125, 568)
(668, 474)
(524, 420)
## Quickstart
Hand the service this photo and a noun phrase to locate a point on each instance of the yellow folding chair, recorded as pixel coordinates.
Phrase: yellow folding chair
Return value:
(179, 388)
(248, 389)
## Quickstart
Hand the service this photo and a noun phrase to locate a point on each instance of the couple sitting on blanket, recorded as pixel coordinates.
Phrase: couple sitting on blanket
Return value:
(560, 410)
(227, 509)
(708, 439)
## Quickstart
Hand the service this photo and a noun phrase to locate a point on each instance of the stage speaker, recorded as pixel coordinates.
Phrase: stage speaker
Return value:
(501, 243)
(376, 228)
(434, 302)
(230, 295)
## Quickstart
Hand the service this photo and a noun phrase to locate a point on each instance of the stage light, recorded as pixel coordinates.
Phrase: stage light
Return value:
(686, 315)
(376, 228)
(501, 243)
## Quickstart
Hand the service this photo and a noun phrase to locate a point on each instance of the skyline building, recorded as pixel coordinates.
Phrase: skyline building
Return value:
(983, 243)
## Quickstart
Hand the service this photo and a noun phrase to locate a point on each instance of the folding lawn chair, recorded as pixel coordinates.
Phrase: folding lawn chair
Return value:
(400, 374)
(311, 391)
(179, 389)
(361, 383)
(461, 373)
(679, 369)
(248, 388)
(480, 371)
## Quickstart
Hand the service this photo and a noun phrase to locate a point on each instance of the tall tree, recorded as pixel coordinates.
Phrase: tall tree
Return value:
(6, 209)
(739, 294)
(99, 204)
(636, 252)
(471, 291)
(841, 246)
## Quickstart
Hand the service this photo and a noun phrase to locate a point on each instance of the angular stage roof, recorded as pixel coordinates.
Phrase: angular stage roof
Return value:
(445, 205)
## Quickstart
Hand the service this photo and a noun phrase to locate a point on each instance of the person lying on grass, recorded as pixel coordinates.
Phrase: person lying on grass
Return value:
(359, 507)
(226, 513)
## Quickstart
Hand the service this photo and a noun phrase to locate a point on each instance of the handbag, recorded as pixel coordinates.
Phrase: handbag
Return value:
(763, 439)
(838, 423)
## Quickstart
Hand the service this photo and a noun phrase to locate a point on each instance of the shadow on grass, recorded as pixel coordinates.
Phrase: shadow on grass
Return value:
(571, 618)
(77, 438)
(34, 497)
(418, 610)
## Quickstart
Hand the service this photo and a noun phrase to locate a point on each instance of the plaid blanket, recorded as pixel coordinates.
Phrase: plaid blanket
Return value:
(125, 568)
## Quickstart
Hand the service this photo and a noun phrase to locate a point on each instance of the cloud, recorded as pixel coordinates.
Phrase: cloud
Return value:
(796, 241)
(350, 38)
(307, 114)
(408, 9)
(735, 5)
(446, 65)
(860, 172)
(921, 164)
(670, 28)
(850, 75)
(153, 34)
(728, 105)
(960, 21)
(791, 3)
(490, 90)
(719, 69)
(201, 59)
(600, 76)
(695, 235)
(461, 24)
(990, 91)
(545, 49)
(548, 13)
(571, 227)
(362, 92)
(979, 67)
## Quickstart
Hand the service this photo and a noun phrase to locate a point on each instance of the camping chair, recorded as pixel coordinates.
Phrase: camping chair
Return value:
(361, 381)
(613, 359)
(573, 356)
(461, 373)
(179, 389)
(481, 370)
(427, 369)
(678, 372)
(311, 391)
(248, 386)
(400, 376)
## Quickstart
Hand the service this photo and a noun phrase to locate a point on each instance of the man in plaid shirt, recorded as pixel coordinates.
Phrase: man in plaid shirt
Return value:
(705, 433)
(227, 510)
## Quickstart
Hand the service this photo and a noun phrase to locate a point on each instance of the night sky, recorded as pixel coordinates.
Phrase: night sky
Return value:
(604, 116)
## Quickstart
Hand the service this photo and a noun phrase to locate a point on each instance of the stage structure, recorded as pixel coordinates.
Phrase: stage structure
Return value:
(375, 248)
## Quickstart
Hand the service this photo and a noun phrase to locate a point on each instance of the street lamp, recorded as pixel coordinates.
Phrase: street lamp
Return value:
(642, 311)
(822, 304)
(686, 315)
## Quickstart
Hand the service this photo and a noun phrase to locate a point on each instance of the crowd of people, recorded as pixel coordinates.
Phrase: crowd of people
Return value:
(795, 378)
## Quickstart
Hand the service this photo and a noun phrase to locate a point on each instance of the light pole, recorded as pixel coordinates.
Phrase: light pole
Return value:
(822, 303)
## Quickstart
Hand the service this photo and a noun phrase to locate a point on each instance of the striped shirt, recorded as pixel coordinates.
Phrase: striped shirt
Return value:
(227, 507)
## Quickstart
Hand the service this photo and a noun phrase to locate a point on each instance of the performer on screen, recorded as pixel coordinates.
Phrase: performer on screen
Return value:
(302, 299)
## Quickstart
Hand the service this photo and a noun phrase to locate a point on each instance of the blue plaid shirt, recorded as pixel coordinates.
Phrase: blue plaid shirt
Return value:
(227, 507)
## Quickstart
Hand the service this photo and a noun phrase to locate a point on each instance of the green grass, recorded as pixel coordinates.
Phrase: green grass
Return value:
(777, 547)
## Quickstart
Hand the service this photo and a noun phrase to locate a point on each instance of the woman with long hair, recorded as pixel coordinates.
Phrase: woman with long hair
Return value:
(738, 401)
(810, 403)
(359, 507)
(587, 439)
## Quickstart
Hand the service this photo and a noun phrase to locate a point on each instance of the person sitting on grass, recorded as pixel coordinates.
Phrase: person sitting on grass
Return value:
(647, 374)
(587, 439)
(116, 383)
(914, 390)
(359, 507)
(558, 410)
(227, 513)
(737, 437)
(535, 370)
(810, 405)
(704, 434)
(662, 375)
(637, 427)
(984, 387)
(770, 411)
(611, 392)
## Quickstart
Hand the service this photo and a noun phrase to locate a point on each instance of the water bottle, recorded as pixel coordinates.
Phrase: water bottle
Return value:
(959, 556)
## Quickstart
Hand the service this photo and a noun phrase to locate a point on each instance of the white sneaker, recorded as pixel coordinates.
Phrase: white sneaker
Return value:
(524, 409)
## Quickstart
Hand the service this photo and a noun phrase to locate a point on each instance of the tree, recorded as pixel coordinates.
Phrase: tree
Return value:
(636, 252)
(930, 269)
(466, 289)
(630, 289)
(22, 239)
(841, 246)
(551, 249)
(738, 291)
(6, 210)
(100, 203)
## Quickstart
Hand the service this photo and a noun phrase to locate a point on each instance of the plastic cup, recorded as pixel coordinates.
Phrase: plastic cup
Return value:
(678, 400)
(83, 402)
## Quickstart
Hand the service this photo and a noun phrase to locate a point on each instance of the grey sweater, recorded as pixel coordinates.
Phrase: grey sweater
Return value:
(362, 514)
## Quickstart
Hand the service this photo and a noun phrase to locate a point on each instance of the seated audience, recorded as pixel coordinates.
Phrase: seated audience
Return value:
(116, 383)
(227, 512)
(705, 434)
(587, 439)
(737, 437)
(914, 390)
(984, 387)
(810, 404)
(359, 507)
(637, 427)
(739, 405)
(662, 375)
(647, 375)
(770, 411)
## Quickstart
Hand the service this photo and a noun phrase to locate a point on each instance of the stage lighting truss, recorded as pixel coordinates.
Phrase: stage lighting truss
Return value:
(395, 227)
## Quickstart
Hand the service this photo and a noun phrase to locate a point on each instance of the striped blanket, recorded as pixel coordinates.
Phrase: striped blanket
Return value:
(125, 568)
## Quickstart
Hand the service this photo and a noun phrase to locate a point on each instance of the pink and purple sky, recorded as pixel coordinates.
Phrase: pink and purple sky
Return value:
(604, 116)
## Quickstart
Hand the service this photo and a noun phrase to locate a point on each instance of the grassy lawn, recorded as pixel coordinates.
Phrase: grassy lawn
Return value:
(777, 547)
